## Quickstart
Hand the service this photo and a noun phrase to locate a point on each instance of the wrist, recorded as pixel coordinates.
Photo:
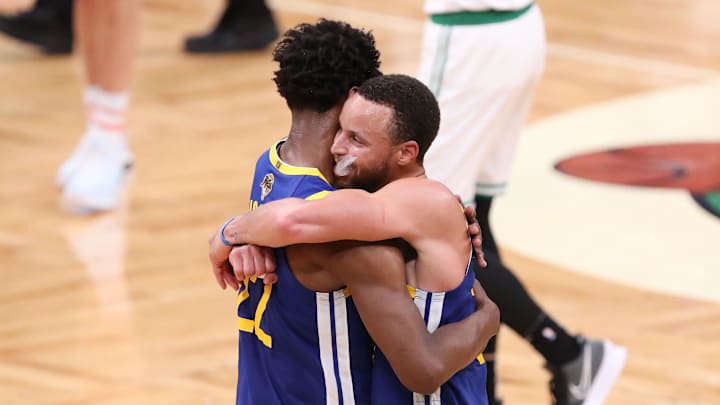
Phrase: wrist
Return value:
(222, 234)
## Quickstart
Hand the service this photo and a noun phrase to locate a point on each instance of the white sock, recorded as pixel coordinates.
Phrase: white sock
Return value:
(91, 94)
(107, 111)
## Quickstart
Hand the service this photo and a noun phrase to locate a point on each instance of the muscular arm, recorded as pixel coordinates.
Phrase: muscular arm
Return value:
(421, 360)
(391, 212)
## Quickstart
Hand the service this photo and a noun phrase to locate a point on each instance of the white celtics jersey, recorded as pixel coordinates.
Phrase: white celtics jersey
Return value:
(453, 6)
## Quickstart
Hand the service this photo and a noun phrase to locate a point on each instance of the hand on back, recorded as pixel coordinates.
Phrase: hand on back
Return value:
(474, 231)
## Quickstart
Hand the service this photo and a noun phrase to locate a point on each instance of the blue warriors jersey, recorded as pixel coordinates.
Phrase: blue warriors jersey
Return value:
(465, 387)
(298, 346)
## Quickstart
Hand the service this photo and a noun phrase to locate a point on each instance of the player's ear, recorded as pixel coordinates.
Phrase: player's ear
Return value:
(408, 151)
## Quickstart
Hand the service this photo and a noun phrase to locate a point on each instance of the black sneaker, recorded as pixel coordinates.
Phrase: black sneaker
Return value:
(43, 27)
(242, 35)
(588, 379)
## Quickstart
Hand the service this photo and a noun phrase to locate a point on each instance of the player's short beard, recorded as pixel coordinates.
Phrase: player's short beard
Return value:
(369, 179)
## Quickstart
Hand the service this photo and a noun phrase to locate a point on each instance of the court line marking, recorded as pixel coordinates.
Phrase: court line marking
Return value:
(414, 26)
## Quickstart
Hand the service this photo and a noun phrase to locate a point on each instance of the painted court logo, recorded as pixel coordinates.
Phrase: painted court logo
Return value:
(694, 167)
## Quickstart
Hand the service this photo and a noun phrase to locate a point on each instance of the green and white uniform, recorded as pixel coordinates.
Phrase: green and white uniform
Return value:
(482, 59)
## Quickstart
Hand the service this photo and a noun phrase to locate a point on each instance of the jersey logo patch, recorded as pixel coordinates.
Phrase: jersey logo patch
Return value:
(266, 186)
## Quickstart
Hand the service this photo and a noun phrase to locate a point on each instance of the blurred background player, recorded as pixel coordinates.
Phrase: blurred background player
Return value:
(243, 25)
(483, 59)
(47, 25)
(93, 178)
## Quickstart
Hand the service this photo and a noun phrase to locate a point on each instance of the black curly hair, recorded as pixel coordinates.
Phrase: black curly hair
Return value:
(320, 62)
(416, 114)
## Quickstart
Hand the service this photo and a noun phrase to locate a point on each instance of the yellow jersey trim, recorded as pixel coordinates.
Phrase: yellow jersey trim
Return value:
(244, 324)
(290, 169)
(244, 294)
(480, 359)
(261, 334)
(317, 196)
(253, 325)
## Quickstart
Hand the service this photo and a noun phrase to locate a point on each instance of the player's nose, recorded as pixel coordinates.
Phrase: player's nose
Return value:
(338, 146)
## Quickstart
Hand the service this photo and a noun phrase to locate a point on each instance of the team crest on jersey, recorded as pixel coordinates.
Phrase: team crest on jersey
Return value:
(266, 186)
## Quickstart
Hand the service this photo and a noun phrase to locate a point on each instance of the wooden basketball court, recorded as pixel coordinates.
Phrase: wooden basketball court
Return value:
(121, 308)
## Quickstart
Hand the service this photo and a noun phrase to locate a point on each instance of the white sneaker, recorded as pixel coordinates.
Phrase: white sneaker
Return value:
(94, 177)
(90, 138)
(588, 379)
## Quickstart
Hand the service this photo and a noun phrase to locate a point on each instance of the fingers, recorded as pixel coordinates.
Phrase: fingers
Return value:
(219, 276)
(251, 261)
(219, 266)
(270, 278)
(218, 255)
(269, 259)
(480, 295)
(269, 263)
(476, 234)
(477, 294)
(472, 220)
(242, 264)
(230, 279)
(224, 276)
(480, 255)
(477, 239)
(258, 259)
(470, 213)
(485, 304)
(477, 247)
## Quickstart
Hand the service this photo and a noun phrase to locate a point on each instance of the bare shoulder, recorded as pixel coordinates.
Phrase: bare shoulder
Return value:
(422, 191)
